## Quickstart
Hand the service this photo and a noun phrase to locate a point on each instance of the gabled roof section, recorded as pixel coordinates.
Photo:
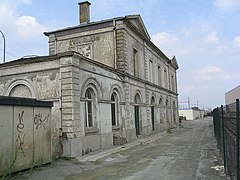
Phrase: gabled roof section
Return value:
(137, 21)
(174, 62)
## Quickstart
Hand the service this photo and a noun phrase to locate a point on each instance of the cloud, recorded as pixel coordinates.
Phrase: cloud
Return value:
(227, 4)
(23, 32)
(16, 25)
(27, 26)
(236, 41)
(216, 74)
(164, 37)
(188, 88)
(210, 70)
(170, 43)
(212, 38)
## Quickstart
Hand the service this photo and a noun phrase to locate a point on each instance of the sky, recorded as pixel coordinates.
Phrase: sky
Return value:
(204, 35)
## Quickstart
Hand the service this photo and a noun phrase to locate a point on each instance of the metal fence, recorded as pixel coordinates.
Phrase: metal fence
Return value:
(226, 129)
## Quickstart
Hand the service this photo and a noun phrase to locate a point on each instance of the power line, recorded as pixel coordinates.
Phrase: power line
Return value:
(9, 53)
(19, 44)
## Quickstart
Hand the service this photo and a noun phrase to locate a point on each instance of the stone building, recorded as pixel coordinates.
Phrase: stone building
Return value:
(109, 83)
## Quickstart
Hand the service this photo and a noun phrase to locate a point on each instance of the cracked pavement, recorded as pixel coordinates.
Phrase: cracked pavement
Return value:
(187, 153)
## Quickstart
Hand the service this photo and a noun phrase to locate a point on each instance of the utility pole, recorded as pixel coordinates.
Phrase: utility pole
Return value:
(188, 103)
(4, 45)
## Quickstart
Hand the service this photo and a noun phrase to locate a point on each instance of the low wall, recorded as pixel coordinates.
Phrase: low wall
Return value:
(25, 133)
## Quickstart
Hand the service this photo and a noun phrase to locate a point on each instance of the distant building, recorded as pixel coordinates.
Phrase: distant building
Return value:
(232, 95)
(192, 114)
(108, 81)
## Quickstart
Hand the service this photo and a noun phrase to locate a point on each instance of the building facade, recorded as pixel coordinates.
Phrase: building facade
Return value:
(232, 95)
(109, 83)
(192, 114)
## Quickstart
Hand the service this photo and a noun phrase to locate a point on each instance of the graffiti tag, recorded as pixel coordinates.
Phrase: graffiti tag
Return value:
(39, 120)
(21, 143)
(20, 125)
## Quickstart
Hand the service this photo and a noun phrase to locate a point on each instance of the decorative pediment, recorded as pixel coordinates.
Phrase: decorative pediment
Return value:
(137, 21)
(174, 62)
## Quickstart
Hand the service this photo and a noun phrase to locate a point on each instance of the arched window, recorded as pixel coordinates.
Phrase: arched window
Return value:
(160, 102)
(137, 99)
(174, 105)
(114, 108)
(152, 101)
(89, 107)
(153, 113)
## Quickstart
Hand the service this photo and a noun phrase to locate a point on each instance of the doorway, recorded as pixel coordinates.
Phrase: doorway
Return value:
(137, 124)
(152, 113)
(152, 117)
(137, 101)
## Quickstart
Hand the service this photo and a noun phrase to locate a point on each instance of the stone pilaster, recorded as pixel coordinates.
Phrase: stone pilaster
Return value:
(148, 113)
(146, 62)
(121, 49)
(70, 96)
(52, 44)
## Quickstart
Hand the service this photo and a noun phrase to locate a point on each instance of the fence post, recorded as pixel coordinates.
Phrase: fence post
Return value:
(218, 130)
(237, 139)
(223, 138)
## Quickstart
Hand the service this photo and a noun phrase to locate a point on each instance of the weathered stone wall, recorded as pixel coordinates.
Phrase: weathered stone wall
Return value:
(95, 44)
(25, 134)
(38, 80)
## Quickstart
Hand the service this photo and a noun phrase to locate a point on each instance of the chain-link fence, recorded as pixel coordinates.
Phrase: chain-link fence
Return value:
(226, 129)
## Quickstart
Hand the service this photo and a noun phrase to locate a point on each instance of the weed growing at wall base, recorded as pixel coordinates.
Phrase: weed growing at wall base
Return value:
(8, 171)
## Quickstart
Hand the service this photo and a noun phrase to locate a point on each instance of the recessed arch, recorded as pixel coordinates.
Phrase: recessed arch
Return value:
(137, 97)
(152, 100)
(94, 85)
(161, 101)
(166, 103)
(21, 88)
(89, 107)
(114, 108)
(117, 90)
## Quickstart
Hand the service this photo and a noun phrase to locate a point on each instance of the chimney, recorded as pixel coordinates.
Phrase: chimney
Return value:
(84, 12)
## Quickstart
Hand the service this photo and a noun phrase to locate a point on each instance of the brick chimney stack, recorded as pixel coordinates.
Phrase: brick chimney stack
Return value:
(84, 12)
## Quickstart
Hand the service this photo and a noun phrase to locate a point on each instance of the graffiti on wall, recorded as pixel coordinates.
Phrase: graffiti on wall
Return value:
(21, 136)
(40, 120)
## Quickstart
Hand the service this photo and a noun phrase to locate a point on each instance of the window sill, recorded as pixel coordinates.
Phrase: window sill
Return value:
(91, 130)
(116, 128)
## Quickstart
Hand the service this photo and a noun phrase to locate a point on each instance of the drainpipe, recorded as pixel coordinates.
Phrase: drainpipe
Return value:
(115, 44)
(55, 43)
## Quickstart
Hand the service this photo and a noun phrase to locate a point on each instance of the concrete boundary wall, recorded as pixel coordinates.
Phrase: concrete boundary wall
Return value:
(25, 133)
(192, 114)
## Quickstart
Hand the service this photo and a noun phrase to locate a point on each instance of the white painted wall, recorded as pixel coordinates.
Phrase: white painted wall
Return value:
(192, 114)
(232, 95)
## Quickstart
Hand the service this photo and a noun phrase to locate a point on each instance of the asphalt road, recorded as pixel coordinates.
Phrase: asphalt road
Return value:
(187, 153)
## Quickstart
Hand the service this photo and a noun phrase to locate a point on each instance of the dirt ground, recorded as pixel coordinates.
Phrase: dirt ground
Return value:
(186, 153)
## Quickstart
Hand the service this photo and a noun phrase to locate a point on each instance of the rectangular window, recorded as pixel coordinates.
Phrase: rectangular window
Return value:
(165, 79)
(159, 76)
(151, 71)
(135, 63)
(113, 110)
(89, 117)
(173, 84)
